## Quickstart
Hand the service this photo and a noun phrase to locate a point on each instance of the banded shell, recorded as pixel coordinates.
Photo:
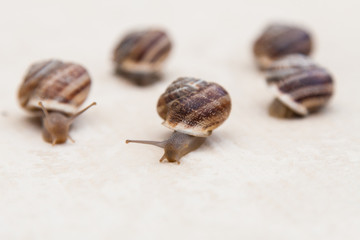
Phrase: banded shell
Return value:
(305, 91)
(288, 65)
(279, 40)
(61, 87)
(194, 106)
(140, 55)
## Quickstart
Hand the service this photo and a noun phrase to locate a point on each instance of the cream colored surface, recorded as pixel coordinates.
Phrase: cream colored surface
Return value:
(256, 177)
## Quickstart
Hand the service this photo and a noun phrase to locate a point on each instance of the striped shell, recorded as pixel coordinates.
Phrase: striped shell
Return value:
(140, 55)
(279, 40)
(288, 65)
(194, 106)
(305, 91)
(60, 86)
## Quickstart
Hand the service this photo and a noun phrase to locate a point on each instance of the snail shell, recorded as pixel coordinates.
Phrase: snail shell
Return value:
(305, 91)
(288, 65)
(279, 40)
(194, 106)
(140, 55)
(61, 87)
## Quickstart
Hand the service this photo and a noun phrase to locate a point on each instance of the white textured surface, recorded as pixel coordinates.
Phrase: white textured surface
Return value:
(255, 178)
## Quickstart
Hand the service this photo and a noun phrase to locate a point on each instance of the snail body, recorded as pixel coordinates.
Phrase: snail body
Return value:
(140, 55)
(193, 108)
(56, 89)
(279, 40)
(178, 145)
(300, 89)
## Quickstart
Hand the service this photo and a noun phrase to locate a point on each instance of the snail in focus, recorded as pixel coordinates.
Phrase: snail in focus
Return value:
(56, 89)
(279, 40)
(193, 108)
(140, 56)
(301, 87)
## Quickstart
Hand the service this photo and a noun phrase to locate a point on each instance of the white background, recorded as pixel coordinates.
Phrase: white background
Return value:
(256, 177)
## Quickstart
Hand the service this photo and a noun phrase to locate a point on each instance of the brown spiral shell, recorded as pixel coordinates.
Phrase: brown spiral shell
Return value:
(305, 90)
(140, 55)
(288, 65)
(279, 40)
(194, 106)
(60, 86)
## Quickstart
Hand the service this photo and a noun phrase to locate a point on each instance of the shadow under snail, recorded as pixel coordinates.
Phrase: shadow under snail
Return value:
(57, 89)
(301, 87)
(193, 108)
(140, 55)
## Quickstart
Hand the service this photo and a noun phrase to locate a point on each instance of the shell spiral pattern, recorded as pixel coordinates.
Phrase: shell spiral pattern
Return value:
(288, 65)
(141, 55)
(279, 40)
(305, 91)
(60, 86)
(194, 106)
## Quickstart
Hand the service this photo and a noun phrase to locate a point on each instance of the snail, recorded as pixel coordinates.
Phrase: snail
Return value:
(140, 56)
(286, 66)
(193, 108)
(279, 40)
(56, 89)
(301, 87)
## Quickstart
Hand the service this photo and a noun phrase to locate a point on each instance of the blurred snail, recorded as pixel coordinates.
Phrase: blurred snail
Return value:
(193, 108)
(57, 89)
(140, 56)
(279, 40)
(300, 86)
(288, 65)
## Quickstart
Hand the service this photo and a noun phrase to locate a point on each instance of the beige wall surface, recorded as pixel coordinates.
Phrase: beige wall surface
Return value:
(256, 177)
